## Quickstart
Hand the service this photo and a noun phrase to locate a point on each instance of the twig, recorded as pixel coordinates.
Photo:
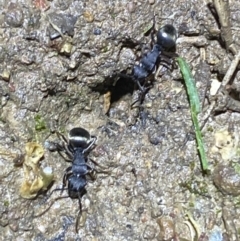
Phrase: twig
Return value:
(225, 81)
(223, 11)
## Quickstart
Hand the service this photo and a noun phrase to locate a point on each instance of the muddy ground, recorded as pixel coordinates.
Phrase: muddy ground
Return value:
(59, 65)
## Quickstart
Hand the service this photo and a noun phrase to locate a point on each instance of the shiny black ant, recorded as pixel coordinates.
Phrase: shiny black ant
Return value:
(76, 148)
(166, 41)
(80, 143)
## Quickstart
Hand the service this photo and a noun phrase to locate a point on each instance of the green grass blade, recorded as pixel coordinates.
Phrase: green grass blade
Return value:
(190, 84)
(195, 108)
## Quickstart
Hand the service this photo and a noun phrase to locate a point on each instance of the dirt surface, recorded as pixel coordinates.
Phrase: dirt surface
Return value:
(59, 65)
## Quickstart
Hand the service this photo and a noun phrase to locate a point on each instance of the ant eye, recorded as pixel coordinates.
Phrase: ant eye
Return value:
(167, 36)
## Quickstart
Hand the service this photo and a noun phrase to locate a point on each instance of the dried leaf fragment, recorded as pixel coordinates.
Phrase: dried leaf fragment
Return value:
(88, 16)
(35, 178)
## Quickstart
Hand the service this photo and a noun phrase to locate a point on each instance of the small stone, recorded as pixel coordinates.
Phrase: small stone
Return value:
(14, 16)
(97, 31)
(88, 16)
(149, 232)
(66, 48)
(5, 75)
(131, 7)
(151, 2)
(227, 179)
(166, 229)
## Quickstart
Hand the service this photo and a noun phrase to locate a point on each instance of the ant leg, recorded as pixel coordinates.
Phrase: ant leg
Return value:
(141, 96)
(65, 177)
(64, 147)
(79, 212)
(64, 157)
(94, 138)
(92, 172)
(97, 164)
(54, 146)
(67, 172)
(139, 99)
(61, 136)
(125, 76)
(153, 31)
(54, 200)
(141, 87)
(121, 75)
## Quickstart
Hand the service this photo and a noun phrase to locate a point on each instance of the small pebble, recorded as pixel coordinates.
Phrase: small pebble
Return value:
(131, 7)
(97, 31)
(14, 16)
(5, 75)
(166, 226)
(48, 170)
(88, 16)
(227, 179)
(151, 2)
(149, 232)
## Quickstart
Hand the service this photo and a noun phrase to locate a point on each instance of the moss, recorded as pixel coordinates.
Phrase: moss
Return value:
(236, 167)
(2, 120)
(112, 14)
(40, 124)
(210, 128)
(192, 165)
(6, 203)
(191, 204)
(238, 152)
(61, 129)
(147, 29)
(236, 201)
(196, 187)
(105, 49)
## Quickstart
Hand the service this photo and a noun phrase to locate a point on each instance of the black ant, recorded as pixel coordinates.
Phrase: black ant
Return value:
(166, 41)
(76, 148)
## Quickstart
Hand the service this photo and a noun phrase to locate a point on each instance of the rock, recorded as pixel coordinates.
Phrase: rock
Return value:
(227, 179)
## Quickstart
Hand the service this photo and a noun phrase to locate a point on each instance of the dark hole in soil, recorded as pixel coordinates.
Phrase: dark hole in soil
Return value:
(122, 87)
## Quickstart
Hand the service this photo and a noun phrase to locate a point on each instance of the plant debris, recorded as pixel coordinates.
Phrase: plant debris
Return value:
(35, 178)
(195, 108)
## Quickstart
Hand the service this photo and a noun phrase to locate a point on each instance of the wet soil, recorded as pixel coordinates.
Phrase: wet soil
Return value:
(59, 65)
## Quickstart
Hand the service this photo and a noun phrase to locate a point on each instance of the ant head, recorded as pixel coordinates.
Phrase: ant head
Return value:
(79, 137)
(166, 37)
